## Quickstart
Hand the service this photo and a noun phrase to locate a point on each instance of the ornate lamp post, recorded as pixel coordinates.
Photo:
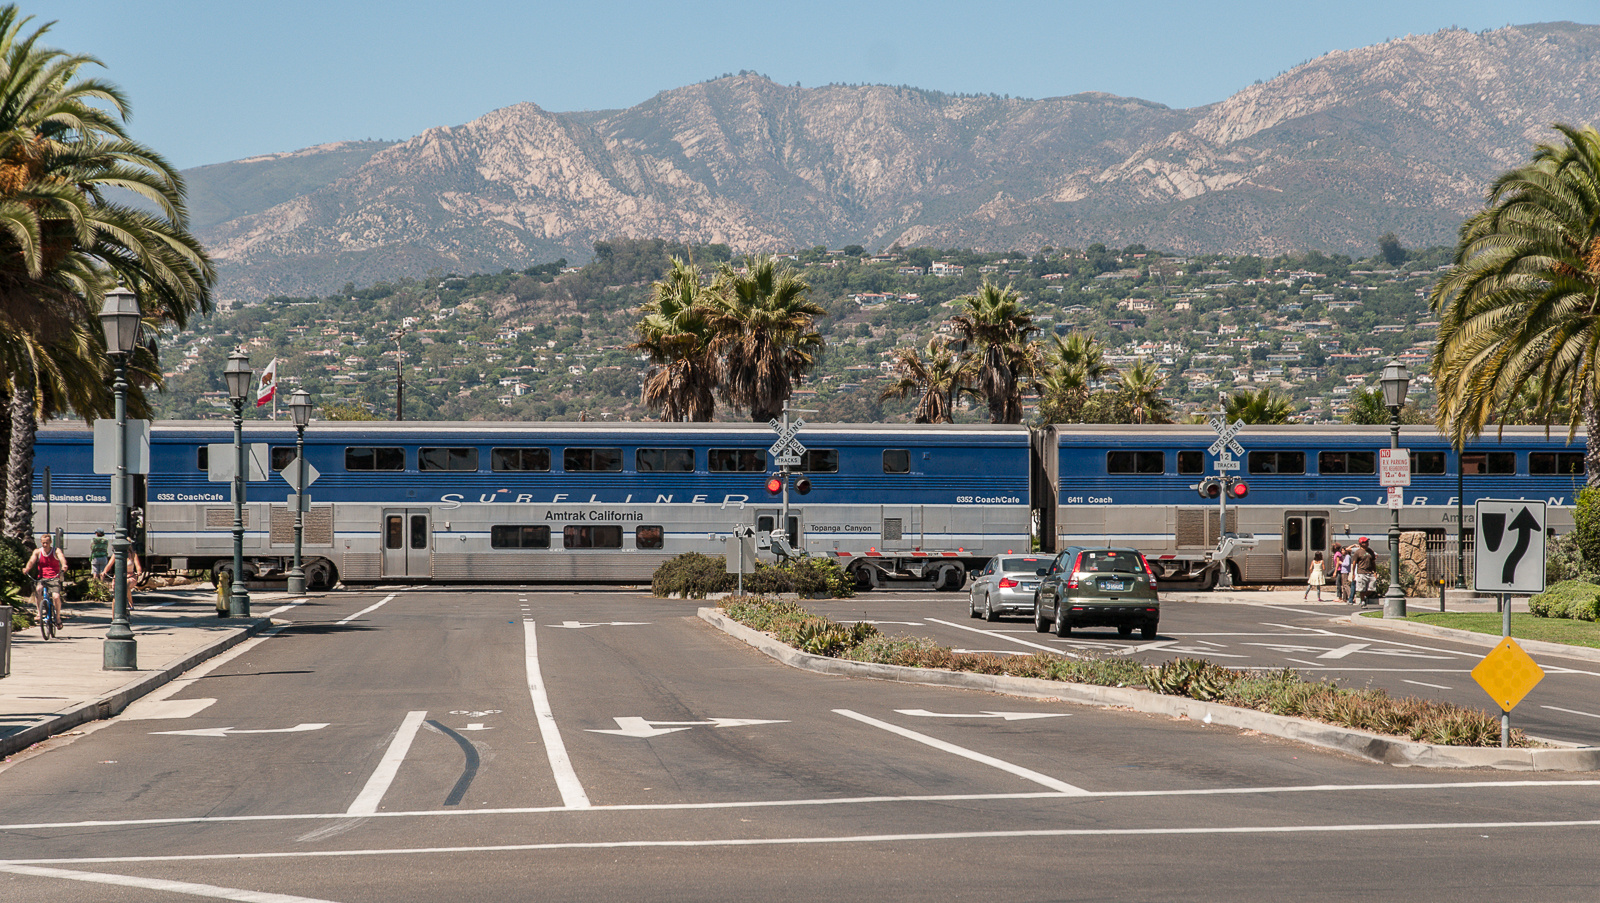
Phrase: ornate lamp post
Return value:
(120, 318)
(1396, 379)
(239, 377)
(300, 408)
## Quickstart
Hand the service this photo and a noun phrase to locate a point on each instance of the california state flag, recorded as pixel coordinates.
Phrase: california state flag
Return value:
(269, 384)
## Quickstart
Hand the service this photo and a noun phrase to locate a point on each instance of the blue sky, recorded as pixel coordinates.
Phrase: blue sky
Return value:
(218, 80)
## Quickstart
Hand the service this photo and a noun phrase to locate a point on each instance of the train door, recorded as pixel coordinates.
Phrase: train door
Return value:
(407, 543)
(767, 521)
(1305, 533)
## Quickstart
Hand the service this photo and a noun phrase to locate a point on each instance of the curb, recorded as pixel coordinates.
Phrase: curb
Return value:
(1542, 647)
(1372, 747)
(114, 702)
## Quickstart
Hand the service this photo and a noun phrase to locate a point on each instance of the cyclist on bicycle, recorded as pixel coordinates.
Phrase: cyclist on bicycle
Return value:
(47, 565)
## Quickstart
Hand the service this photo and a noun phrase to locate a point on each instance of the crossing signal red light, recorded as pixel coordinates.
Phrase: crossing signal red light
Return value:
(802, 485)
(775, 485)
(1209, 488)
(1239, 490)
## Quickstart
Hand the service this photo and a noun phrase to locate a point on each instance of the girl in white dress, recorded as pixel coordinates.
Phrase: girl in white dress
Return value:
(1315, 578)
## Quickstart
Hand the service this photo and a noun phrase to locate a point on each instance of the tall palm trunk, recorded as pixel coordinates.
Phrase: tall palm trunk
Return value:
(18, 522)
(1591, 445)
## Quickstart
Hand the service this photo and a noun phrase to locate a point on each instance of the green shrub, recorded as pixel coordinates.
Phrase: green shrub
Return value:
(694, 576)
(1586, 524)
(691, 575)
(1576, 599)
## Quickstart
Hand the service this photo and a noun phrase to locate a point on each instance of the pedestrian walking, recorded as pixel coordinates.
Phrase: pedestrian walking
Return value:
(1363, 572)
(99, 554)
(1341, 561)
(1315, 578)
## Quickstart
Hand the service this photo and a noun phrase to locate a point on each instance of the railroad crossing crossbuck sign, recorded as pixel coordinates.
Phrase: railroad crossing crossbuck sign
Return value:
(787, 450)
(1508, 548)
(1225, 433)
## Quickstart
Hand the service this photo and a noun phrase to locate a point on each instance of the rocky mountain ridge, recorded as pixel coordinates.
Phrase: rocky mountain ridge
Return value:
(1400, 136)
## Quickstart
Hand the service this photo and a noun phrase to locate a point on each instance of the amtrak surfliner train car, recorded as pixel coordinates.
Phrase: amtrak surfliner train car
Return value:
(1308, 487)
(442, 502)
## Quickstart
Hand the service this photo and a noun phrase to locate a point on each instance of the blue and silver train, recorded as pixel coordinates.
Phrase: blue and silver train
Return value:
(544, 502)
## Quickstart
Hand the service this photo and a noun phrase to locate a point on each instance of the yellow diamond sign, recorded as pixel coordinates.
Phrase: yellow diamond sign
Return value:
(1507, 674)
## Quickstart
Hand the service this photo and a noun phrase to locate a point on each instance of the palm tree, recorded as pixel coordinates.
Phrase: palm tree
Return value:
(675, 331)
(1518, 308)
(1072, 368)
(1261, 406)
(764, 331)
(65, 239)
(996, 321)
(938, 377)
(1138, 394)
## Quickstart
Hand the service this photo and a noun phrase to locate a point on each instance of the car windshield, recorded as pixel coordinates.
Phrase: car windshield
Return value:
(1102, 562)
(1028, 565)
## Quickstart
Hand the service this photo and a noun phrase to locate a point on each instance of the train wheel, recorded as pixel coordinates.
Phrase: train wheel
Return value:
(1208, 580)
(950, 577)
(866, 576)
(321, 574)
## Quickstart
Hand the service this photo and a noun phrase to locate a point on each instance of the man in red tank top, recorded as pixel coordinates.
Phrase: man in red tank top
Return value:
(49, 564)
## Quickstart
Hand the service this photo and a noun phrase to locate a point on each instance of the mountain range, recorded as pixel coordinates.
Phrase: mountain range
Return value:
(1402, 136)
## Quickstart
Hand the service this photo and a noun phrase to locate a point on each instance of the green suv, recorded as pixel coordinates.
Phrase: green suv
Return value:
(1098, 587)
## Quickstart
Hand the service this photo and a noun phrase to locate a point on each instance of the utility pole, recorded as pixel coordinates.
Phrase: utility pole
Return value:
(399, 375)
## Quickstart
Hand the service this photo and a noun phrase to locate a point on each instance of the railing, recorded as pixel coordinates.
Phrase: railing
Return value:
(1443, 562)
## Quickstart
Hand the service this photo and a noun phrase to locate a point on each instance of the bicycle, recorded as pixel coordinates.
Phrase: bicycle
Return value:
(44, 610)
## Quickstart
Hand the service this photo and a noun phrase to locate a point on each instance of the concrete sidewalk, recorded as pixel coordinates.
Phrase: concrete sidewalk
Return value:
(58, 684)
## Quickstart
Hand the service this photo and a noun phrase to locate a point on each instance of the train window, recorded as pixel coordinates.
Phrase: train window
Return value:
(1427, 462)
(896, 460)
(820, 460)
(1191, 462)
(202, 458)
(519, 536)
(1566, 463)
(1347, 462)
(736, 460)
(394, 531)
(648, 537)
(419, 531)
(1488, 463)
(592, 537)
(1271, 462)
(282, 456)
(363, 457)
(1123, 461)
(664, 460)
(519, 459)
(457, 459)
(591, 460)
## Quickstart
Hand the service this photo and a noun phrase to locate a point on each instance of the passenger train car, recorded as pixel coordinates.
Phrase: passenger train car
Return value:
(1308, 488)
(557, 501)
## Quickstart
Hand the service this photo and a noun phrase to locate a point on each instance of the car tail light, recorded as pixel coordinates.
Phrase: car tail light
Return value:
(1148, 571)
(1072, 582)
(1007, 583)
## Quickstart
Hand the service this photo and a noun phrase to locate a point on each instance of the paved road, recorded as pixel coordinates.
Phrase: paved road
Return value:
(1315, 640)
(500, 744)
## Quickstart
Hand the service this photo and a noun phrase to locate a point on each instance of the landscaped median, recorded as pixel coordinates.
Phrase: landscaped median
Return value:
(1365, 723)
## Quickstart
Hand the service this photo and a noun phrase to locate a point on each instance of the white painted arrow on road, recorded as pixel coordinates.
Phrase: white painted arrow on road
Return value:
(1009, 716)
(230, 731)
(579, 625)
(630, 726)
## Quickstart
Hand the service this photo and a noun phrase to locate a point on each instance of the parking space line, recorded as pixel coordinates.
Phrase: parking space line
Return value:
(572, 795)
(160, 884)
(373, 607)
(965, 753)
(1000, 636)
(367, 801)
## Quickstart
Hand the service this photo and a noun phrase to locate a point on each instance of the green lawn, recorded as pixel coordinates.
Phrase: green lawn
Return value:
(1523, 626)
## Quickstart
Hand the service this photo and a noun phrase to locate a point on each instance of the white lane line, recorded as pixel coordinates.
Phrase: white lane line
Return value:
(795, 803)
(367, 801)
(1344, 650)
(1018, 770)
(572, 795)
(373, 607)
(1317, 666)
(1000, 636)
(1421, 684)
(161, 884)
(283, 608)
(851, 839)
(1569, 711)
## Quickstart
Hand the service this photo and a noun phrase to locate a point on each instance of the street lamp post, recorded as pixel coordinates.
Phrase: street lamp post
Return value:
(120, 317)
(300, 408)
(1396, 380)
(239, 378)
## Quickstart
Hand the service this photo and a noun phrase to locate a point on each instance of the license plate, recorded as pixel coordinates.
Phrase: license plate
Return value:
(1114, 586)
(1030, 586)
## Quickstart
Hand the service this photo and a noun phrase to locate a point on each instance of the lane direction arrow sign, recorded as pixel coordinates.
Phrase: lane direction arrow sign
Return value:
(231, 731)
(631, 726)
(1509, 546)
(1008, 716)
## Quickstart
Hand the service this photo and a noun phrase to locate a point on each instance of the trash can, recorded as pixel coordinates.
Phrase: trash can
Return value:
(5, 641)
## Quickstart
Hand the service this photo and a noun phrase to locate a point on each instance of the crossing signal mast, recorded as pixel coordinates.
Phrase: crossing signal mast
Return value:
(1223, 487)
(786, 453)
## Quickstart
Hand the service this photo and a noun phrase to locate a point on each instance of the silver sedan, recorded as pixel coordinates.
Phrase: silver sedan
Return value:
(1006, 586)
